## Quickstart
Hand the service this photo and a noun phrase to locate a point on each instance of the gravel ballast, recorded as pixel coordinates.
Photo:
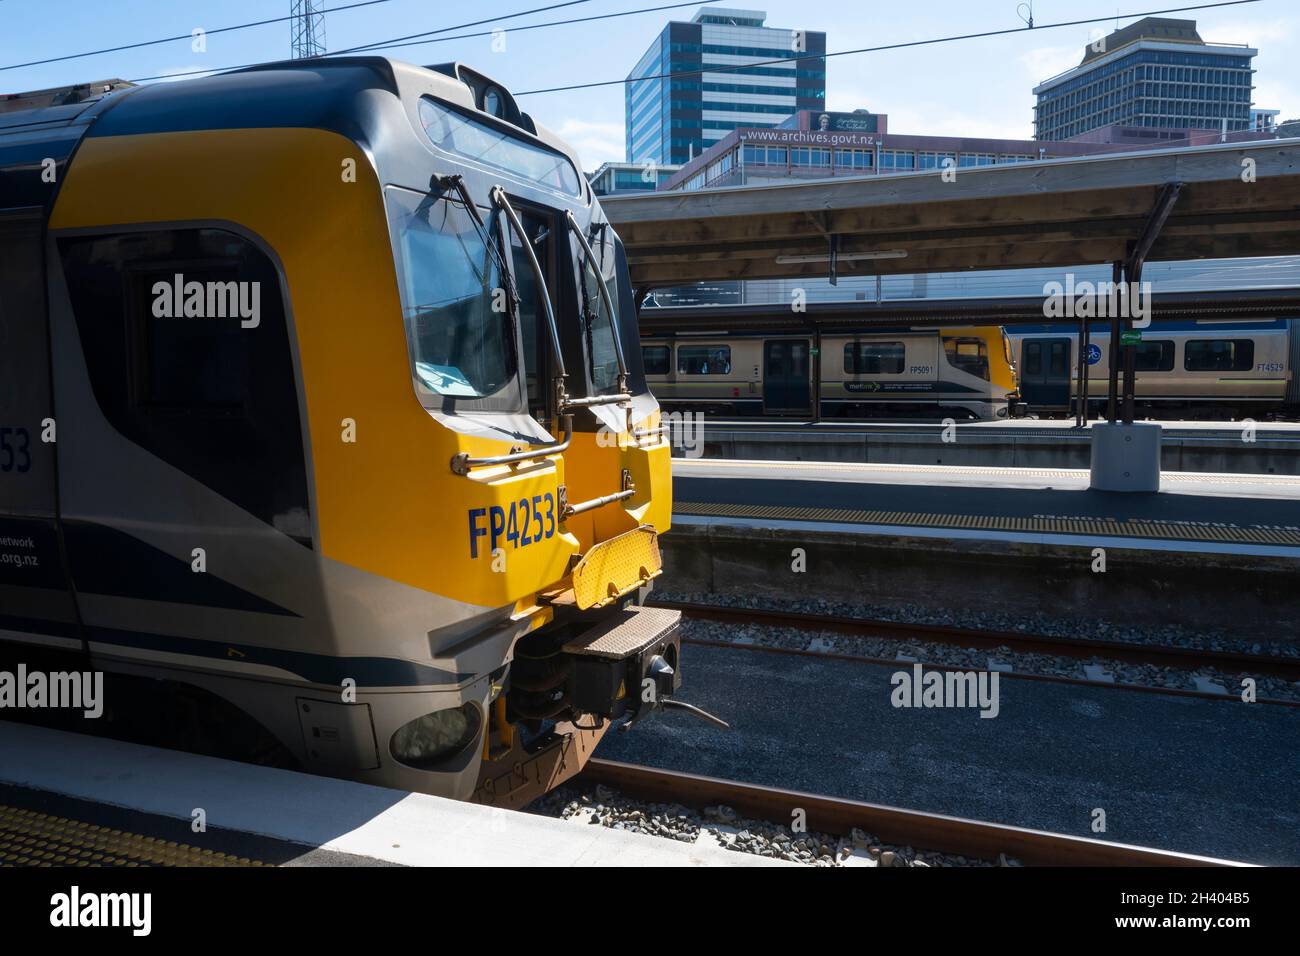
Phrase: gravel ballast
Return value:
(723, 826)
(908, 650)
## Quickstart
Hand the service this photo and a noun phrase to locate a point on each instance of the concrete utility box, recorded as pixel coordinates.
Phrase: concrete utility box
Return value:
(1125, 457)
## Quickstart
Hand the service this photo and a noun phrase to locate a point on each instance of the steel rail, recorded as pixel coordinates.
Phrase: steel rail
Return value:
(893, 825)
(1073, 647)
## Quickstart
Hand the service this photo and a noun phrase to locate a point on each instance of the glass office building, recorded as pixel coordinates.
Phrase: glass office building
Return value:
(614, 179)
(1157, 73)
(670, 120)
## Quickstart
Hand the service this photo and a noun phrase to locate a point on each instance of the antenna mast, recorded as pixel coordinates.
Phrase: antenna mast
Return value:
(307, 37)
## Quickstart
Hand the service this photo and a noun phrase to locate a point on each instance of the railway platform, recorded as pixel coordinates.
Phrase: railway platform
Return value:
(1216, 447)
(1219, 551)
(71, 799)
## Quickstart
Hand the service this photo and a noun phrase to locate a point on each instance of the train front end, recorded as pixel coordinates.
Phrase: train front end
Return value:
(549, 474)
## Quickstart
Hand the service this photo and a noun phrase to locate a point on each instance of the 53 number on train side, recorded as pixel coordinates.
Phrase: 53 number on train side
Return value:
(15, 450)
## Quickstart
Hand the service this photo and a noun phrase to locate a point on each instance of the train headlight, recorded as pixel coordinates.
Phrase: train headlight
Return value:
(494, 102)
(435, 737)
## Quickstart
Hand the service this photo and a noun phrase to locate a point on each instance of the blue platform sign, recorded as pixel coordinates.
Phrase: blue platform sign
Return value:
(1094, 353)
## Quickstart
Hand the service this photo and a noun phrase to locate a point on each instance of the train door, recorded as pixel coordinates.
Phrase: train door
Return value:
(785, 376)
(1045, 372)
(36, 603)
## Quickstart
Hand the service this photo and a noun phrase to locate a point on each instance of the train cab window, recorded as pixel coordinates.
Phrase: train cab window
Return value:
(657, 359)
(874, 358)
(186, 344)
(453, 131)
(460, 335)
(704, 359)
(1219, 355)
(1154, 356)
(597, 322)
(532, 313)
(971, 355)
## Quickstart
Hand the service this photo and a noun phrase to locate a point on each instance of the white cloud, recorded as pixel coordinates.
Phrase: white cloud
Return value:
(1045, 62)
(1257, 33)
(596, 143)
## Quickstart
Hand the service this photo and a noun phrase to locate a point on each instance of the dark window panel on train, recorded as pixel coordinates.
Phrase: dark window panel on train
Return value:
(597, 322)
(206, 394)
(971, 355)
(874, 358)
(1033, 358)
(704, 359)
(657, 359)
(1154, 356)
(1219, 355)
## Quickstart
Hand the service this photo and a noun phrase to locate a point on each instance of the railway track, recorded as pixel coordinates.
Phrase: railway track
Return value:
(929, 831)
(1073, 648)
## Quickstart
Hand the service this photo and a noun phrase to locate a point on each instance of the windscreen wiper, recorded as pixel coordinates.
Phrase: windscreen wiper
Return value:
(462, 463)
(603, 290)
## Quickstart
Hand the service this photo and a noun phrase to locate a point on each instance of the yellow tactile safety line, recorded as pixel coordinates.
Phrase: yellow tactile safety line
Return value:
(1195, 477)
(29, 838)
(1104, 527)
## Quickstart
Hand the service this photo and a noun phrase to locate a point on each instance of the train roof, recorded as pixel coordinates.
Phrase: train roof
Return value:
(335, 94)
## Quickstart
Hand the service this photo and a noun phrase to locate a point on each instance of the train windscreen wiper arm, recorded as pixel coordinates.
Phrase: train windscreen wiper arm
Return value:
(603, 289)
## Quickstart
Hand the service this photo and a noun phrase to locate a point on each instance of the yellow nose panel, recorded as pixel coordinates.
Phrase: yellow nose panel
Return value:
(616, 567)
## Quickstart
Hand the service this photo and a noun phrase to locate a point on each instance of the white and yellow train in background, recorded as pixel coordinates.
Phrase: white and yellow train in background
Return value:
(873, 373)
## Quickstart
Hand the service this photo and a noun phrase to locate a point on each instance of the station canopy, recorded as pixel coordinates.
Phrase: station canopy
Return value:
(1224, 201)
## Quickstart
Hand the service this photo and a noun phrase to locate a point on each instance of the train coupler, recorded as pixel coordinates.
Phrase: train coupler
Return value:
(628, 666)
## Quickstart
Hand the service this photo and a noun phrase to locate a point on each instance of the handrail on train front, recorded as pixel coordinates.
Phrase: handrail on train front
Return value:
(462, 463)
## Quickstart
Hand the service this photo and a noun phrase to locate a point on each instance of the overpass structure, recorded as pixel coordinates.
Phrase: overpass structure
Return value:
(1231, 200)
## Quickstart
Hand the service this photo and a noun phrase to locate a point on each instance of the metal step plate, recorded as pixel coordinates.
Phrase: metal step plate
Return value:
(627, 633)
(616, 567)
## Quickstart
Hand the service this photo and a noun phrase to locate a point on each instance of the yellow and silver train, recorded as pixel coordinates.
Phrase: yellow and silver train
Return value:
(316, 415)
(868, 373)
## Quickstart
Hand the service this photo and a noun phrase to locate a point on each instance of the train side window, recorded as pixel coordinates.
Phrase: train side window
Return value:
(186, 344)
(1219, 355)
(704, 359)
(657, 359)
(597, 322)
(199, 365)
(970, 355)
(1033, 356)
(874, 358)
(1154, 356)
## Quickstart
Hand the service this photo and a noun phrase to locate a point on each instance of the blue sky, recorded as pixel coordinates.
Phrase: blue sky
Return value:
(975, 87)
